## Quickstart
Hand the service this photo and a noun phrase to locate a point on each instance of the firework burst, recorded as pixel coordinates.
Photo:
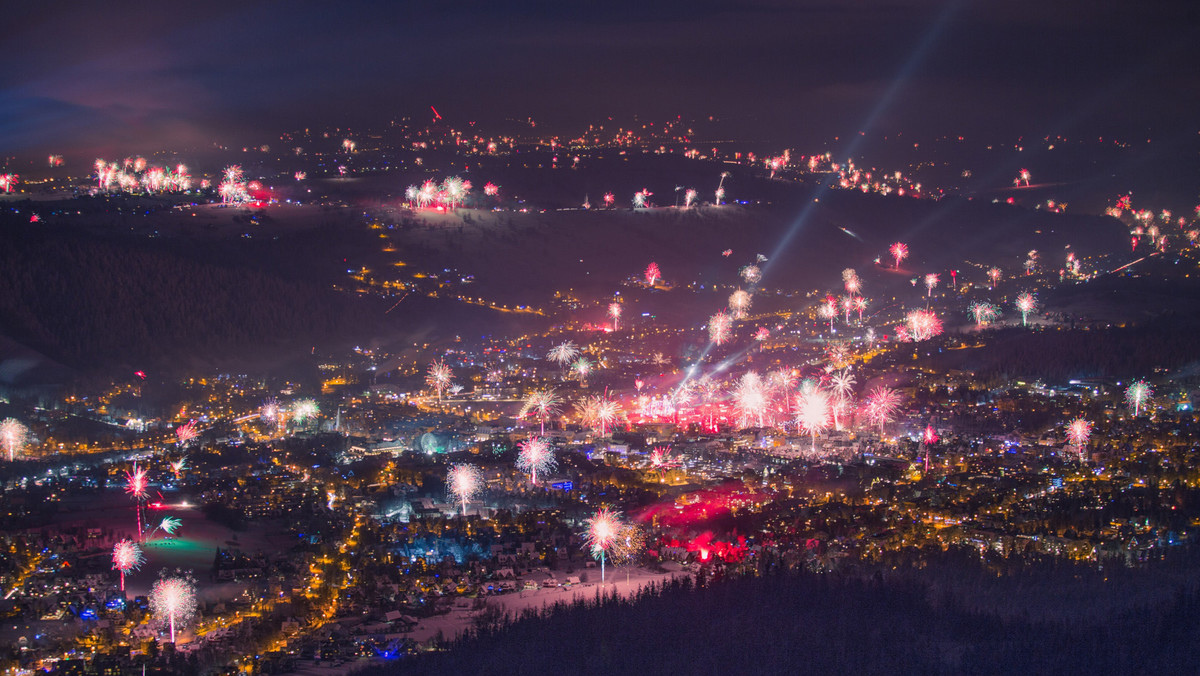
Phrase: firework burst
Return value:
(598, 412)
(720, 326)
(543, 403)
(184, 434)
(602, 535)
(661, 461)
(127, 557)
(813, 414)
(563, 353)
(13, 435)
(1137, 395)
(178, 466)
(438, 377)
(535, 455)
(173, 602)
(136, 485)
(614, 311)
(899, 251)
(1079, 431)
(652, 274)
(581, 368)
(1026, 303)
(168, 525)
(881, 406)
(842, 386)
(739, 303)
(304, 409)
(752, 274)
(920, 325)
(984, 313)
(751, 398)
(464, 482)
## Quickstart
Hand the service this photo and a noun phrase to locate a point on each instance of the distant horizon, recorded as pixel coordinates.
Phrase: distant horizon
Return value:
(97, 79)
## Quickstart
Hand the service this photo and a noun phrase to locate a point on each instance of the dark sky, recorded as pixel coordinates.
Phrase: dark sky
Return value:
(88, 76)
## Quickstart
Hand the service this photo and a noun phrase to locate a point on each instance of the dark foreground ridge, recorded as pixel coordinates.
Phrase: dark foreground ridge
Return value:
(1041, 619)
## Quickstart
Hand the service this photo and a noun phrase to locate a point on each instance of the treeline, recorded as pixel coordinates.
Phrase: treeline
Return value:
(88, 302)
(1131, 352)
(808, 623)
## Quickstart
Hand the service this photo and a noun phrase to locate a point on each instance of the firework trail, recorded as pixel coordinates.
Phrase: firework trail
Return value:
(720, 192)
(614, 311)
(7, 181)
(136, 485)
(127, 557)
(173, 602)
(535, 455)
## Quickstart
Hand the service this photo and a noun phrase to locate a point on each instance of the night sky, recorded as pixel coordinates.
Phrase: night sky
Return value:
(88, 77)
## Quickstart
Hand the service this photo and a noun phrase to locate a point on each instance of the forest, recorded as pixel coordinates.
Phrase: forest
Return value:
(1119, 352)
(916, 621)
(89, 302)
